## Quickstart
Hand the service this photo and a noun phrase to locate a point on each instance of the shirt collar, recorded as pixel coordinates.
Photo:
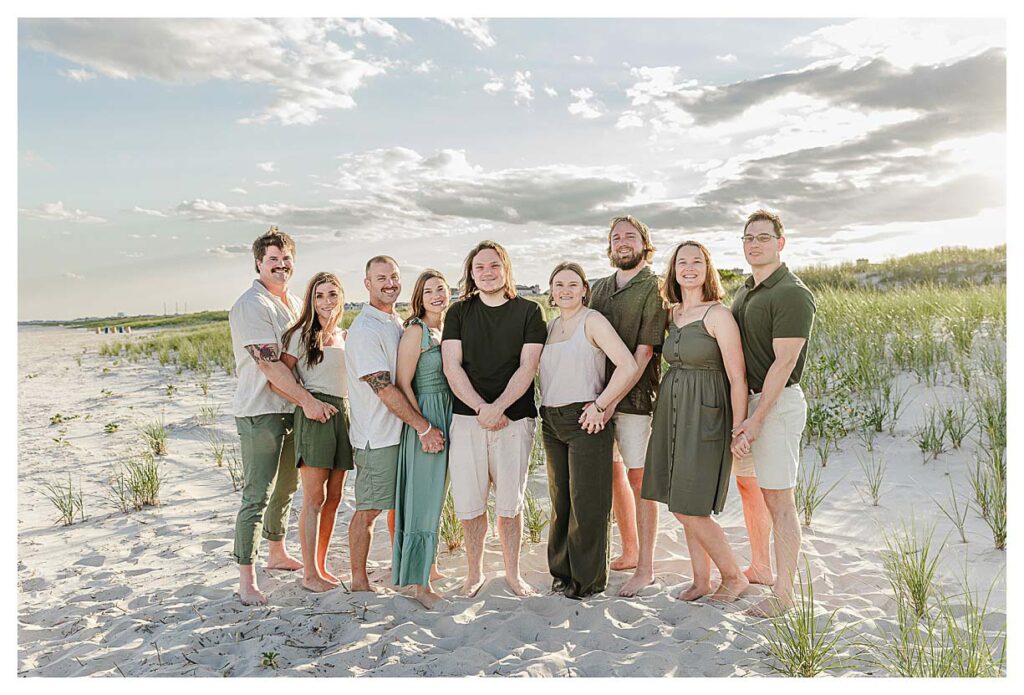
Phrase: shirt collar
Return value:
(639, 277)
(291, 305)
(771, 280)
(378, 315)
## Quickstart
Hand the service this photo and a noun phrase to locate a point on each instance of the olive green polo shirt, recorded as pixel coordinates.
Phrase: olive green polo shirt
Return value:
(780, 307)
(637, 314)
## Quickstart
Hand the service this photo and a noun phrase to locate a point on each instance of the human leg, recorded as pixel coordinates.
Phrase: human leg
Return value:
(314, 494)
(647, 531)
(557, 455)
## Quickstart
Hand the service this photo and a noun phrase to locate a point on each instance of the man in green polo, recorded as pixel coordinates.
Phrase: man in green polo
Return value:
(775, 313)
(630, 299)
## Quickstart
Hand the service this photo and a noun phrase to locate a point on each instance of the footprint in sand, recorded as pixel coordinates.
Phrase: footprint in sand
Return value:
(209, 546)
(95, 560)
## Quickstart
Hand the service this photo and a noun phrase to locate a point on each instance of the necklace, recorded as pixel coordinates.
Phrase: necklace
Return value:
(563, 326)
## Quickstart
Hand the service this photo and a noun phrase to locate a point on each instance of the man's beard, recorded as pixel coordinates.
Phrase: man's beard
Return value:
(627, 263)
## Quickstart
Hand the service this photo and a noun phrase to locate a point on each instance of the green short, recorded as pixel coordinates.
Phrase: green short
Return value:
(324, 444)
(376, 473)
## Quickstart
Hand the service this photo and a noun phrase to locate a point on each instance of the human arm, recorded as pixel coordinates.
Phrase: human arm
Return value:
(787, 353)
(722, 327)
(458, 380)
(408, 357)
(491, 416)
(601, 334)
(430, 437)
(282, 381)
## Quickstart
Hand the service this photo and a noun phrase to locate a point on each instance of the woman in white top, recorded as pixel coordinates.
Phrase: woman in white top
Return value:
(575, 393)
(315, 349)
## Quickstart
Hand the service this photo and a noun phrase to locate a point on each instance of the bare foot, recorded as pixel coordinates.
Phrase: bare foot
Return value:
(759, 575)
(519, 586)
(362, 584)
(636, 582)
(283, 562)
(427, 597)
(731, 589)
(770, 607)
(436, 574)
(472, 585)
(328, 576)
(694, 591)
(252, 596)
(624, 562)
(317, 584)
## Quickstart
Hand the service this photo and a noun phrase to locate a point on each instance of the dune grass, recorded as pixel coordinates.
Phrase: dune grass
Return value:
(136, 483)
(66, 498)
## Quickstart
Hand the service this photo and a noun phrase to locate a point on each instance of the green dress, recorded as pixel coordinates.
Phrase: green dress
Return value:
(688, 458)
(420, 485)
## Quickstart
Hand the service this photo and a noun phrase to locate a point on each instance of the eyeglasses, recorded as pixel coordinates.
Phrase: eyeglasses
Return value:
(761, 238)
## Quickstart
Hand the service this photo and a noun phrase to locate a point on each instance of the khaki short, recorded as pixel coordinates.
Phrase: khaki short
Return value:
(477, 458)
(632, 432)
(376, 474)
(775, 455)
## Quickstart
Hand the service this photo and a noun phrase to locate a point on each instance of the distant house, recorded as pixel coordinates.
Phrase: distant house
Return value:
(529, 290)
(863, 263)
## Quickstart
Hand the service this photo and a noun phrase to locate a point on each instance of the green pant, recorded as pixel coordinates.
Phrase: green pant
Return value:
(580, 486)
(268, 460)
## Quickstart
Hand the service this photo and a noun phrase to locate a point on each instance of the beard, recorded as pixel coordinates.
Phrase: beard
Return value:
(627, 262)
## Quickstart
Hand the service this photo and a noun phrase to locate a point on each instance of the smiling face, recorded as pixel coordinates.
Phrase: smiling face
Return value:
(275, 268)
(567, 290)
(384, 283)
(690, 269)
(435, 296)
(627, 246)
(760, 253)
(488, 271)
(327, 300)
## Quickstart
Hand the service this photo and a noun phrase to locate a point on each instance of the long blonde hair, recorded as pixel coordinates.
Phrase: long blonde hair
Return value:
(309, 321)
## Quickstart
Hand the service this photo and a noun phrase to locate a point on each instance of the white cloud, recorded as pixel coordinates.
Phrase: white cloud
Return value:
(146, 211)
(585, 105)
(550, 91)
(308, 71)
(76, 75)
(727, 58)
(240, 190)
(523, 91)
(73, 276)
(266, 166)
(902, 42)
(494, 85)
(229, 249)
(583, 60)
(629, 119)
(56, 212)
(372, 27)
(424, 67)
(271, 184)
(477, 30)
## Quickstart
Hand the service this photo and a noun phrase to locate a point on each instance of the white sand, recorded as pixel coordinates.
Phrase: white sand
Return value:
(151, 593)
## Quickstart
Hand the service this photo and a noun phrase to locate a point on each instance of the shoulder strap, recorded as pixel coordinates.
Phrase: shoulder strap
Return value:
(425, 338)
(707, 311)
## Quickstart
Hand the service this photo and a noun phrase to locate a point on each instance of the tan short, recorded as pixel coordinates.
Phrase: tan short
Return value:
(775, 455)
(478, 458)
(632, 432)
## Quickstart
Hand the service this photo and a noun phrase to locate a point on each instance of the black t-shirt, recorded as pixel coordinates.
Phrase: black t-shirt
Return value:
(492, 343)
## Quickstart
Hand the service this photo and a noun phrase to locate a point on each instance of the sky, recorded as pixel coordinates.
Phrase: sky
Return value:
(151, 152)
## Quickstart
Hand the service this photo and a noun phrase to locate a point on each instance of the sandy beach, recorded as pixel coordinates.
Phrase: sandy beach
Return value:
(151, 593)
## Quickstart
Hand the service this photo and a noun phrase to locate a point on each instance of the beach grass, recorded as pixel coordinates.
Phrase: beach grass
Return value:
(535, 518)
(235, 469)
(910, 564)
(450, 529)
(154, 434)
(66, 498)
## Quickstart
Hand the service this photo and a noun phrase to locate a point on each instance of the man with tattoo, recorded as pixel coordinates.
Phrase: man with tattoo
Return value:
(264, 419)
(378, 409)
(491, 347)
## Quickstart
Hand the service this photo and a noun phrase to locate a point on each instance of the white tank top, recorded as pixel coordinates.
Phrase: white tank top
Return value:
(572, 371)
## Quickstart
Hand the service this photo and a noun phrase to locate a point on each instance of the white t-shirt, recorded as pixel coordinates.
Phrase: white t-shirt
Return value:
(372, 346)
(328, 375)
(258, 318)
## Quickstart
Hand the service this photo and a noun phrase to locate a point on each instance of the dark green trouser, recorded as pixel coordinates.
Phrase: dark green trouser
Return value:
(580, 486)
(268, 459)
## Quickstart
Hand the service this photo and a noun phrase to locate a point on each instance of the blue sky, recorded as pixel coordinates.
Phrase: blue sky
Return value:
(152, 152)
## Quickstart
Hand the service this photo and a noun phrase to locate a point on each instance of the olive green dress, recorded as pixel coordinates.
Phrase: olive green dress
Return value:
(688, 457)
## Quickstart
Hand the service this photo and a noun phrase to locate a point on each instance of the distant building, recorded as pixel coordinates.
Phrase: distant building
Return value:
(529, 290)
(863, 263)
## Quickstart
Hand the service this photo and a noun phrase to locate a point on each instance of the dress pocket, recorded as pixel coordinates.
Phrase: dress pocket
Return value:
(711, 428)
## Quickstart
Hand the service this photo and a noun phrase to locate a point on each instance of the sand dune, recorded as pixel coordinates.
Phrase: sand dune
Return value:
(151, 592)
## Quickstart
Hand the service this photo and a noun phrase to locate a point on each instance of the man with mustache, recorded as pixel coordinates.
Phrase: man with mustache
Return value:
(264, 418)
(629, 298)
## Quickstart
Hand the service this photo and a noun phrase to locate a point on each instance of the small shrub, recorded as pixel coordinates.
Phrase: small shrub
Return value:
(270, 660)
(809, 492)
(930, 436)
(136, 484)
(956, 424)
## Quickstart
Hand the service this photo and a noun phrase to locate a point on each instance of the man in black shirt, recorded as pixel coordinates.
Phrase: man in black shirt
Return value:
(491, 347)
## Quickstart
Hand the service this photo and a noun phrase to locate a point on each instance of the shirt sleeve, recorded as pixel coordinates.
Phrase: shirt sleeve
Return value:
(792, 313)
(253, 324)
(536, 329)
(365, 353)
(453, 323)
(652, 322)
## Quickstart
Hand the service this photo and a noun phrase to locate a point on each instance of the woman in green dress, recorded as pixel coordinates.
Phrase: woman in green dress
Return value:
(420, 485)
(702, 396)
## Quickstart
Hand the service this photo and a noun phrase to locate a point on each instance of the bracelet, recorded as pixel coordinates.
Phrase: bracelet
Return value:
(424, 433)
(599, 408)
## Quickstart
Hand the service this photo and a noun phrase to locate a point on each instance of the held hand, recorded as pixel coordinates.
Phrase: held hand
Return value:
(500, 425)
(488, 416)
(433, 441)
(750, 428)
(591, 420)
(318, 410)
(740, 446)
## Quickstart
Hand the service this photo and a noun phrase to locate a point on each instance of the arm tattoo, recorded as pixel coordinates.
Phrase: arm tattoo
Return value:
(378, 381)
(264, 353)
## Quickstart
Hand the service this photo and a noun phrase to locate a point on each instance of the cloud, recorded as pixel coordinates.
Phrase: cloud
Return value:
(425, 67)
(371, 27)
(229, 249)
(494, 85)
(477, 30)
(76, 75)
(265, 166)
(73, 276)
(585, 106)
(56, 212)
(309, 72)
(271, 184)
(550, 91)
(629, 119)
(522, 90)
(33, 160)
(727, 58)
(583, 60)
(146, 211)
(240, 190)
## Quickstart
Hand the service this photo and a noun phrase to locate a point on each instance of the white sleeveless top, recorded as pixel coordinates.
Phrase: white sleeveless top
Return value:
(572, 371)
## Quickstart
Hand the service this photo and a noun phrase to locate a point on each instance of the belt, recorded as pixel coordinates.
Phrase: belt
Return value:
(754, 392)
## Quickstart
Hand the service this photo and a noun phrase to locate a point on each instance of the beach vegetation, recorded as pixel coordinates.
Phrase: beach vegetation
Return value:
(66, 498)
(154, 434)
(534, 517)
(810, 491)
(450, 529)
(873, 467)
(235, 469)
(910, 563)
(954, 510)
(111, 427)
